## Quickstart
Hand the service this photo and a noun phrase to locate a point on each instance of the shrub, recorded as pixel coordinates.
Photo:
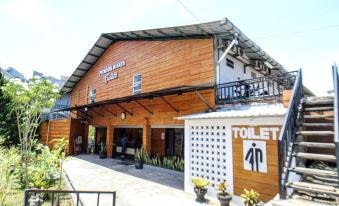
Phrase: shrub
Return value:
(200, 183)
(9, 174)
(251, 197)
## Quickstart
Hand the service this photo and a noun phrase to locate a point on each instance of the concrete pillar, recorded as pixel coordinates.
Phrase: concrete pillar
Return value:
(109, 139)
(146, 136)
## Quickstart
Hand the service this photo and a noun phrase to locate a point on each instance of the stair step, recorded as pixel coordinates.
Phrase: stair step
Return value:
(306, 124)
(311, 109)
(316, 188)
(312, 156)
(318, 116)
(311, 171)
(316, 145)
(318, 101)
(316, 133)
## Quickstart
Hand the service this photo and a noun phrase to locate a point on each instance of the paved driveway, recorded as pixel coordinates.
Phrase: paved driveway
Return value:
(149, 186)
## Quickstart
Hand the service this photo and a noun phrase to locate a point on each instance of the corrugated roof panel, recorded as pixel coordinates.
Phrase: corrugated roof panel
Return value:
(223, 28)
(254, 110)
(89, 58)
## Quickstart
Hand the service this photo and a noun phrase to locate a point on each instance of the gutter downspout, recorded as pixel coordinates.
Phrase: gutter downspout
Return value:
(234, 42)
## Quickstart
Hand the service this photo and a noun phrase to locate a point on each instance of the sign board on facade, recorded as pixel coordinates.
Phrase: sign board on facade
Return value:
(110, 76)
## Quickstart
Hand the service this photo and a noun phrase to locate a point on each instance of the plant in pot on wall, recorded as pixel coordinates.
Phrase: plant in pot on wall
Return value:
(251, 198)
(102, 153)
(139, 158)
(223, 196)
(200, 188)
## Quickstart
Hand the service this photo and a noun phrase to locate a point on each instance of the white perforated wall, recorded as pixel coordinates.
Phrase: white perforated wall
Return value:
(210, 153)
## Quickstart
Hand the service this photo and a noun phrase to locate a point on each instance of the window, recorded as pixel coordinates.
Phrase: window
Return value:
(253, 75)
(92, 95)
(137, 84)
(230, 63)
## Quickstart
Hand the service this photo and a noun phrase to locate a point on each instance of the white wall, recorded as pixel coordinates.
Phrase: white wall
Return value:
(228, 74)
(197, 142)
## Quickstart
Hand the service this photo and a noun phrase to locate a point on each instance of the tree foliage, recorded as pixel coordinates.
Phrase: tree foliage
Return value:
(8, 128)
(29, 100)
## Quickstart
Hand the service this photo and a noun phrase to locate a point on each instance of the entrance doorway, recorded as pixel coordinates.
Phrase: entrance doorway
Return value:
(175, 142)
(99, 137)
(134, 141)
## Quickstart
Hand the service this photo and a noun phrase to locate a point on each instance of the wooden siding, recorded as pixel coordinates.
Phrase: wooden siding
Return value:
(163, 114)
(158, 144)
(57, 129)
(267, 184)
(162, 64)
(65, 128)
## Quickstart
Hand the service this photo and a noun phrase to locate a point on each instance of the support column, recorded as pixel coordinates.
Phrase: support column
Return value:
(85, 140)
(109, 139)
(146, 136)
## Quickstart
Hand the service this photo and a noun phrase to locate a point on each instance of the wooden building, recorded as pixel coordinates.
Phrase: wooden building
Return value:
(145, 84)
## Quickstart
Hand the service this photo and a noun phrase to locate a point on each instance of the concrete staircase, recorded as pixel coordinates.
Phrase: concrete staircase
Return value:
(314, 151)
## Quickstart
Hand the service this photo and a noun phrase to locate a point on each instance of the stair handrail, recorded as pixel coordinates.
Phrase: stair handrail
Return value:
(288, 134)
(336, 112)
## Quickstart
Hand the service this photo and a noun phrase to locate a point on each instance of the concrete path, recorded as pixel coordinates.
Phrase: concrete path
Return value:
(133, 187)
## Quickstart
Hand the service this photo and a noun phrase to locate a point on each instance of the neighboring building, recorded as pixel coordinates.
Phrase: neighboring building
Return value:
(177, 91)
(11, 73)
(61, 103)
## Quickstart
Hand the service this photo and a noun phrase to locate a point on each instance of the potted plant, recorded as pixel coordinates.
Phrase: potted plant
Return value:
(139, 158)
(251, 198)
(223, 196)
(200, 188)
(102, 153)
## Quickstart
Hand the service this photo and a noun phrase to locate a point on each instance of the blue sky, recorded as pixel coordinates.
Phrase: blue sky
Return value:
(53, 36)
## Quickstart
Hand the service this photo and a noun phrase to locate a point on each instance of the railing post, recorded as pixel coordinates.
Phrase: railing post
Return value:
(26, 197)
(336, 113)
(288, 135)
(282, 191)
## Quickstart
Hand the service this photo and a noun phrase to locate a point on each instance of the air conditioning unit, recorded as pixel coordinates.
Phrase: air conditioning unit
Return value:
(240, 52)
(258, 64)
(242, 56)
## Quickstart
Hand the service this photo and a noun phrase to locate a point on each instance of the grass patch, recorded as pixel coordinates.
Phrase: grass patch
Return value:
(16, 197)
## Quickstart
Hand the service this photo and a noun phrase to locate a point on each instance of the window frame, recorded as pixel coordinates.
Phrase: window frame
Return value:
(91, 94)
(135, 84)
(229, 63)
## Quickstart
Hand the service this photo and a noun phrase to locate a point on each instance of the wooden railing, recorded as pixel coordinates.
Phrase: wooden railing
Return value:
(266, 87)
(289, 133)
(336, 112)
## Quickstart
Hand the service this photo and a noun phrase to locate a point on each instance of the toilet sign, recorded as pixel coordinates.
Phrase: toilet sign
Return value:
(255, 158)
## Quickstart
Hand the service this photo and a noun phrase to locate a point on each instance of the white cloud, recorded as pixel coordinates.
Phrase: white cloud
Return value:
(28, 12)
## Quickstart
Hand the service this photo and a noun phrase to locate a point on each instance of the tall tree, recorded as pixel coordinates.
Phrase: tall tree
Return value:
(29, 100)
(8, 128)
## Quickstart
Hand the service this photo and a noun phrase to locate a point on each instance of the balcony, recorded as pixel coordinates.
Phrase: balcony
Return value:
(54, 114)
(265, 88)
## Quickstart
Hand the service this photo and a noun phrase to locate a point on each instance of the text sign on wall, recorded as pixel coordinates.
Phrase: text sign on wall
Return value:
(254, 144)
(110, 76)
(264, 133)
(255, 158)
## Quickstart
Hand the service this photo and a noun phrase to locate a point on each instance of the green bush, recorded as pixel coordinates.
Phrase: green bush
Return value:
(10, 161)
(173, 163)
(45, 166)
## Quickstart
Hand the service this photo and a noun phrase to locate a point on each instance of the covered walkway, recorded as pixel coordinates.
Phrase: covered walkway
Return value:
(149, 186)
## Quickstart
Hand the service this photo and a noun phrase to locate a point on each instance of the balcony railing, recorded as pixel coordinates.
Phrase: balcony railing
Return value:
(261, 88)
(53, 114)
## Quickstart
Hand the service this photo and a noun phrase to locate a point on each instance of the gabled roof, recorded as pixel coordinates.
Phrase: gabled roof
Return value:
(224, 29)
